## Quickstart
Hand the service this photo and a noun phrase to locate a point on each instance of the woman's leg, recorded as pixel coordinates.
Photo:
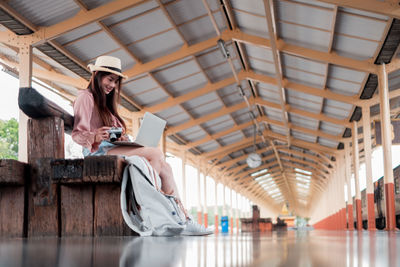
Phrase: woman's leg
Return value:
(157, 161)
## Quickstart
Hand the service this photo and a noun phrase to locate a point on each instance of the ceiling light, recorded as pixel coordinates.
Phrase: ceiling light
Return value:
(241, 91)
(273, 191)
(303, 185)
(259, 172)
(222, 48)
(303, 171)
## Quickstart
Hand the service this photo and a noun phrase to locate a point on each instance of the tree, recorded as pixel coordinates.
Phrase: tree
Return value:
(9, 139)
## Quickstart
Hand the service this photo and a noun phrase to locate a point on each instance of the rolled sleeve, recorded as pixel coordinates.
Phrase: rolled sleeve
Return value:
(82, 133)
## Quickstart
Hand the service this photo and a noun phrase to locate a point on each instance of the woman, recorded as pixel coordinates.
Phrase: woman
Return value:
(95, 112)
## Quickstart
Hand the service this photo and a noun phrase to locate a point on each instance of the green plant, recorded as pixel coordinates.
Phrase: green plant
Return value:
(9, 139)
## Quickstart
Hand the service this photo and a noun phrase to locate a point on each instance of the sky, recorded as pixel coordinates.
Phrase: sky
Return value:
(9, 99)
(9, 109)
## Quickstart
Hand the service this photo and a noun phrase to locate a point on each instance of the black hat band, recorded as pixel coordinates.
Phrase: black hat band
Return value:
(112, 68)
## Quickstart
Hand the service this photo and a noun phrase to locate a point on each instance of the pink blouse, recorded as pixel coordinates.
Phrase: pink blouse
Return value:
(87, 120)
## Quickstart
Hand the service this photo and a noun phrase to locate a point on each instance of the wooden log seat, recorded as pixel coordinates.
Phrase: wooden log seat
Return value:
(54, 196)
(89, 195)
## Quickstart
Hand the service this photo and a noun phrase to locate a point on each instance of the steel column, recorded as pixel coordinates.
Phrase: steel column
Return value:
(216, 208)
(205, 210)
(356, 164)
(184, 180)
(387, 147)
(350, 215)
(231, 209)
(368, 167)
(199, 211)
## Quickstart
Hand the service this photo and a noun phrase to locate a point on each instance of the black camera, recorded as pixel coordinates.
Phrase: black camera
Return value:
(115, 133)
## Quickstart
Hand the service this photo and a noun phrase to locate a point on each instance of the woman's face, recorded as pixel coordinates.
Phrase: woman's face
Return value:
(109, 82)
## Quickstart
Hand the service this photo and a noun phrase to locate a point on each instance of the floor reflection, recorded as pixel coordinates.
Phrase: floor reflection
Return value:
(286, 248)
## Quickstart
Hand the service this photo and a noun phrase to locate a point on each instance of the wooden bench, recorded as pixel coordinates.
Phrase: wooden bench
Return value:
(54, 196)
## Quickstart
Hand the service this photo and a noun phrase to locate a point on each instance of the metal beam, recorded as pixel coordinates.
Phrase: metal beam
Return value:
(388, 8)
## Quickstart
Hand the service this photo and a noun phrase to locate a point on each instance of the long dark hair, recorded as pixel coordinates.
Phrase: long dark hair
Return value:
(106, 104)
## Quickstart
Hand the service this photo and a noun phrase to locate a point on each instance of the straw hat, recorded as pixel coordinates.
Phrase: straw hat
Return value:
(107, 64)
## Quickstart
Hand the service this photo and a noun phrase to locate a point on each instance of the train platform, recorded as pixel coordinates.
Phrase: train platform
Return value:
(282, 248)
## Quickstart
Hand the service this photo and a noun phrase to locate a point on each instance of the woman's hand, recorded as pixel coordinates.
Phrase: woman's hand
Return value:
(102, 134)
(124, 137)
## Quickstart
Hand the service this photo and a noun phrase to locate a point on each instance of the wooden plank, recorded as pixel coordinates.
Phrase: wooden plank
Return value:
(12, 171)
(76, 210)
(96, 169)
(106, 169)
(42, 201)
(12, 209)
(67, 171)
(108, 220)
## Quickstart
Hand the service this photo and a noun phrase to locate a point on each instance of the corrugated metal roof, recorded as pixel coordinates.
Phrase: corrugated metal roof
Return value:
(45, 12)
(171, 50)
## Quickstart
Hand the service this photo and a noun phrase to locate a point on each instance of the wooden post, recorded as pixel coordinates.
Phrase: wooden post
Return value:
(108, 220)
(368, 167)
(25, 80)
(350, 215)
(356, 165)
(45, 142)
(387, 148)
(76, 210)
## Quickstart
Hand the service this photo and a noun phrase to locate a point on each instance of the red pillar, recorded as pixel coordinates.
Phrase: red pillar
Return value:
(344, 219)
(206, 220)
(371, 212)
(337, 223)
(359, 216)
(390, 210)
(350, 217)
(199, 217)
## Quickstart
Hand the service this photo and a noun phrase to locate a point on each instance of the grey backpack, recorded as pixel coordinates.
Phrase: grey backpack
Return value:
(145, 208)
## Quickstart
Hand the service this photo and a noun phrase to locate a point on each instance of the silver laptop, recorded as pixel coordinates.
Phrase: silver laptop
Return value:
(149, 134)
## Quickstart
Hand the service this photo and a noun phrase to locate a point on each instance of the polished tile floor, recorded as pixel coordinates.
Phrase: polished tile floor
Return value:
(287, 248)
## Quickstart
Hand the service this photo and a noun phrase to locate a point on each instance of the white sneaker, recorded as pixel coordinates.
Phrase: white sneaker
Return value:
(193, 228)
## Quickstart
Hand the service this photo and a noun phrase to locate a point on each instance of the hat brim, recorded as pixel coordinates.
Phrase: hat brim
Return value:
(93, 68)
